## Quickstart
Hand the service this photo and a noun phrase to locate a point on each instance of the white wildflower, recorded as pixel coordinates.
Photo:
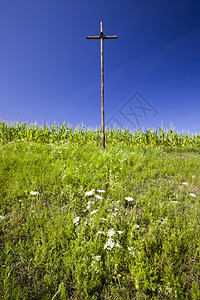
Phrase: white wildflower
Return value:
(89, 204)
(100, 191)
(130, 249)
(117, 244)
(89, 193)
(111, 232)
(129, 199)
(173, 201)
(94, 211)
(168, 288)
(109, 244)
(193, 195)
(2, 218)
(100, 232)
(103, 219)
(184, 183)
(136, 226)
(165, 219)
(98, 197)
(120, 232)
(76, 220)
(98, 257)
(95, 263)
(34, 193)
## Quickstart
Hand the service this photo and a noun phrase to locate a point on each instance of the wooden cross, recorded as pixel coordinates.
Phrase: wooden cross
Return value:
(102, 37)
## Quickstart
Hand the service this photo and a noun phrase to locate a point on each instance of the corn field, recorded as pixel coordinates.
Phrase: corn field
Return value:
(81, 135)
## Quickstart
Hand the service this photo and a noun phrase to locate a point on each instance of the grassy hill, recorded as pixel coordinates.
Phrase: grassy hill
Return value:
(79, 223)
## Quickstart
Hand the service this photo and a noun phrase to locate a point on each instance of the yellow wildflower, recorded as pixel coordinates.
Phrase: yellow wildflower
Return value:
(137, 286)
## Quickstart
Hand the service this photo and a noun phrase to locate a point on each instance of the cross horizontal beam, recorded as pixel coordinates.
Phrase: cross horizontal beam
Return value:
(93, 37)
(104, 37)
(110, 37)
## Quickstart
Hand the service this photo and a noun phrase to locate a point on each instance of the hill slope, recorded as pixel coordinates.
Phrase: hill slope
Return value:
(78, 223)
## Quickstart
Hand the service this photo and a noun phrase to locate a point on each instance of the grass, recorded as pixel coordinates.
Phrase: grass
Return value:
(139, 239)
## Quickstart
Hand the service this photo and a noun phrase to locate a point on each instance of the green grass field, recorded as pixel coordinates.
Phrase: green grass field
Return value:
(79, 223)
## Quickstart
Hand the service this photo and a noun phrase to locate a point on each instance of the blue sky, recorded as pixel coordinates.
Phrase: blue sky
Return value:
(50, 72)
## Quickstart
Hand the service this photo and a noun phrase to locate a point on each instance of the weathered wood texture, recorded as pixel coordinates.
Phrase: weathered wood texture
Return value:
(102, 37)
(102, 92)
(93, 37)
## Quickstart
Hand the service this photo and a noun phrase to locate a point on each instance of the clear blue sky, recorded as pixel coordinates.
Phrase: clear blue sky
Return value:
(49, 70)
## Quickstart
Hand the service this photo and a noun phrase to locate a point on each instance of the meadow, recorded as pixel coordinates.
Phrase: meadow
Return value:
(80, 223)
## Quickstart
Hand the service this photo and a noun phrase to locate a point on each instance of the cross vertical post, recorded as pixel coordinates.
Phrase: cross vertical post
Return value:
(102, 37)
(102, 91)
